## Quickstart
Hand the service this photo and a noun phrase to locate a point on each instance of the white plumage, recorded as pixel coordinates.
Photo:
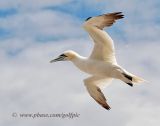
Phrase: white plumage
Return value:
(101, 64)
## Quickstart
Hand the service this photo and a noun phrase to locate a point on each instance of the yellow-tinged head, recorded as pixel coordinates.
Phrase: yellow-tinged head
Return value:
(66, 56)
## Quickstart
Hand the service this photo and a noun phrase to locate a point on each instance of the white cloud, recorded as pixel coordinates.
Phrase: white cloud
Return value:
(44, 23)
(31, 84)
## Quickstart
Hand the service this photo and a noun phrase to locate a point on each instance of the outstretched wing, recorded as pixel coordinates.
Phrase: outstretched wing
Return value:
(103, 43)
(104, 20)
(92, 84)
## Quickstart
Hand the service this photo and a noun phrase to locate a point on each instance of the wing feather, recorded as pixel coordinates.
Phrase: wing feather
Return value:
(103, 43)
(92, 84)
(104, 20)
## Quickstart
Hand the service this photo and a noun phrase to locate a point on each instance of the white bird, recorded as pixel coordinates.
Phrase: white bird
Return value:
(101, 64)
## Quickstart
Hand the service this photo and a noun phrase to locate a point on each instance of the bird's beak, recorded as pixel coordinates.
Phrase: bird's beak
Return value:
(60, 58)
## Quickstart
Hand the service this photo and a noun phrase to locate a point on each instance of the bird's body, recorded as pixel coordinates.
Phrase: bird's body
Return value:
(101, 64)
(93, 67)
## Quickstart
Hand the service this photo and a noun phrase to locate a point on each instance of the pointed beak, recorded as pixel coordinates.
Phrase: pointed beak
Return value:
(60, 58)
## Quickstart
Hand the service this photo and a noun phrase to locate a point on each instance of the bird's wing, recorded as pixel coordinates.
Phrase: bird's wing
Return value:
(103, 43)
(92, 84)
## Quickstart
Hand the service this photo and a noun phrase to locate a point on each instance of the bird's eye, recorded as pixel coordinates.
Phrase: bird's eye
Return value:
(63, 55)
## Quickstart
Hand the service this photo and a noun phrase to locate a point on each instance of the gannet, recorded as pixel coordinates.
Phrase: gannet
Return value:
(101, 65)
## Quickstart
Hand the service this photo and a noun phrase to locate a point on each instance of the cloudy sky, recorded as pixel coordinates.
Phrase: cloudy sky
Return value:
(32, 32)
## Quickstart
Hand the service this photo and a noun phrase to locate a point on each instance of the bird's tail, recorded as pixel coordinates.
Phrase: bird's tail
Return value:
(136, 79)
(133, 78)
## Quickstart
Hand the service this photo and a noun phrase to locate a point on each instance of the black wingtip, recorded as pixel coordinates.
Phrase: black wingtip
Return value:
(121, 16)
(107, 107)
(130, 84)
(104, 105)
(88, 18)
(128, 76)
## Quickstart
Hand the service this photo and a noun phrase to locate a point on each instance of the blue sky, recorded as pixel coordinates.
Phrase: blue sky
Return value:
(7, 12)
(32, 32)
(80, 10)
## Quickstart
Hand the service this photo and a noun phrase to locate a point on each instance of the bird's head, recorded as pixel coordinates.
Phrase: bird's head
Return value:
(66, 56)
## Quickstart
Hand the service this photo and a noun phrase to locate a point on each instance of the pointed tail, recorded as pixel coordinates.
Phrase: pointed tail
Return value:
(133, 78)
(136, 79)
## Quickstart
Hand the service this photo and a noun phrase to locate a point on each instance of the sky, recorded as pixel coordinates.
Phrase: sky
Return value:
(32, 32)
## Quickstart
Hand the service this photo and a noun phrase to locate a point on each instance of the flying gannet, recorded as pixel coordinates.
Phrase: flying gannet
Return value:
(101, 64)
